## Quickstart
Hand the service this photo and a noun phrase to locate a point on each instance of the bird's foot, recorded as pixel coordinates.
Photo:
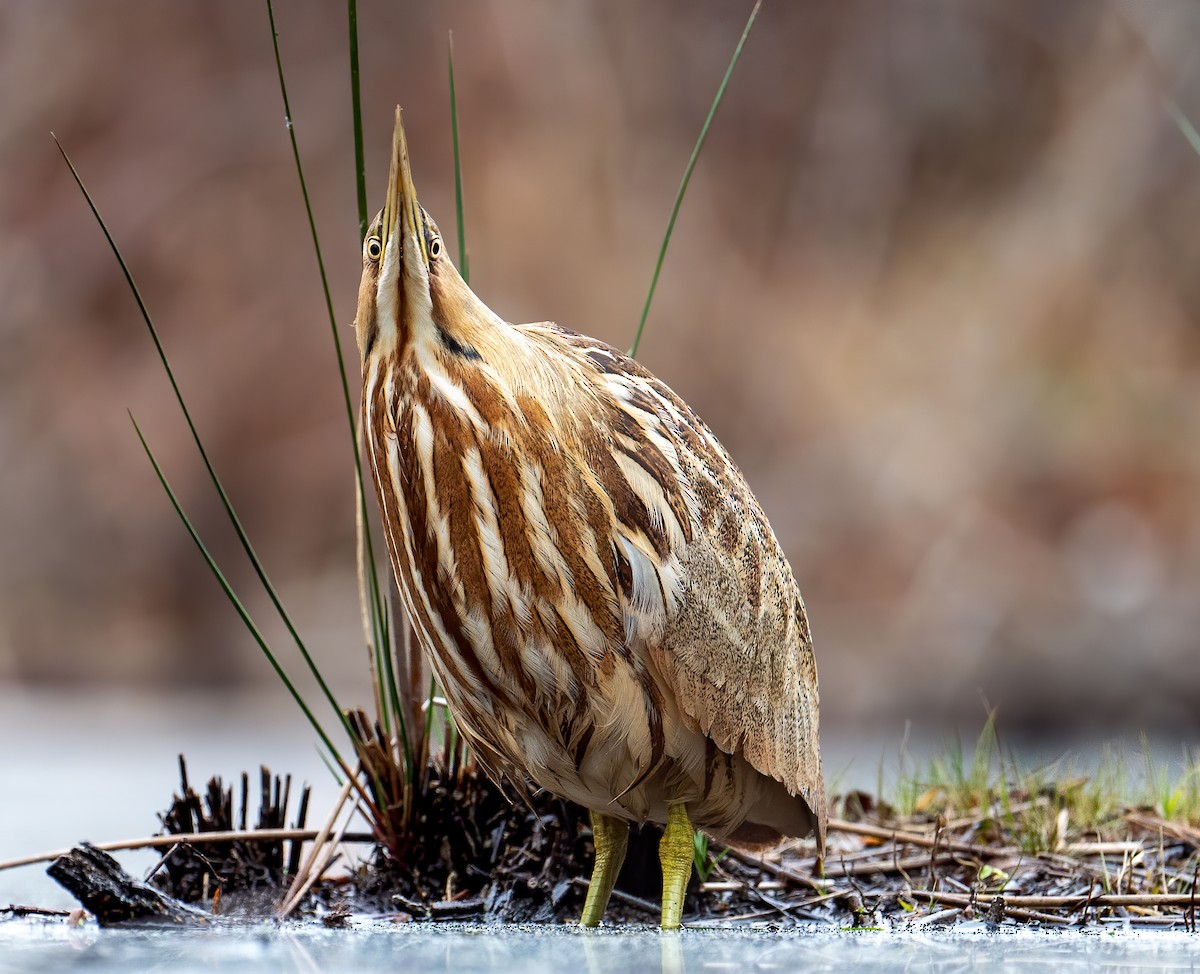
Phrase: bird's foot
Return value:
(611, 837)
(676, 852)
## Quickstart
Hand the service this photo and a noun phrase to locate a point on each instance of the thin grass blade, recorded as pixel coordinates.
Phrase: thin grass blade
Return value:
(464, 266)
(334, 772)
(376, 624)
(226, 503)
(687, 177)
(236, 602)
(1185, 126)
(360, 180)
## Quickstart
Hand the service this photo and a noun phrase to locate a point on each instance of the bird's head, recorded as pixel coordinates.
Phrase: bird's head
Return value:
(410, 291)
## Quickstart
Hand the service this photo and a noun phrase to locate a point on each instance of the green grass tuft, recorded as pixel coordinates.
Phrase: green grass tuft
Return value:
(1041, 809)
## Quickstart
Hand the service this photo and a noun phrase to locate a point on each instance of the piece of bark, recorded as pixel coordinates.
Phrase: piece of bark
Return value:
(112, 895)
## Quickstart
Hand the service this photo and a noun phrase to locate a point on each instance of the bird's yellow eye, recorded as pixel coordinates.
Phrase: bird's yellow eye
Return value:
(435, 248)
(374, 248)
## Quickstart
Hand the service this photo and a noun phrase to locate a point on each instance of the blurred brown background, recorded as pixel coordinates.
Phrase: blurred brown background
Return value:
(935, 286)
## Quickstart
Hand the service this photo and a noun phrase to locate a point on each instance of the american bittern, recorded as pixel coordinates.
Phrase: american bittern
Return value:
(598, 592)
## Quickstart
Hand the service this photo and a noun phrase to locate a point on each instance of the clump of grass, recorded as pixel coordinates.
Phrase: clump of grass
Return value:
(1175, 797)
(950, 785)
(1040, 809)
(704, 860)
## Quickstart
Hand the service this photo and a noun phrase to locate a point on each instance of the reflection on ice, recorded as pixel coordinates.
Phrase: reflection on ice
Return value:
(463, 949)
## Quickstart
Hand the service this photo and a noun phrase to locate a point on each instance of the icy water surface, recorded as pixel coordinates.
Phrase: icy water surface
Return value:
(98, 767)
(464, 949)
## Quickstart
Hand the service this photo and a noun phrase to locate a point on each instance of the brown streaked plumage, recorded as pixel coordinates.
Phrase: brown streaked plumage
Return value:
(599, 594)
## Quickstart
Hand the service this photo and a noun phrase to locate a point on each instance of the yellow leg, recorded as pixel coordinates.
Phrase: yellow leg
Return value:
(611, 836)
(676, 852)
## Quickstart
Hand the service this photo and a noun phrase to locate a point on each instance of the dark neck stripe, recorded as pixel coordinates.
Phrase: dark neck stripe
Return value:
(455, 347)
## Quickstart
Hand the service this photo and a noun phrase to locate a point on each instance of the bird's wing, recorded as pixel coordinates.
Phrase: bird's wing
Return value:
(704, 583)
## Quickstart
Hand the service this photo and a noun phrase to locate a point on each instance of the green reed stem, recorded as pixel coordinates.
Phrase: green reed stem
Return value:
(360, 167)
(378, 621)
(251, 554)
(464, 265)
(1185, 126)
(687, 176)
(236, 602)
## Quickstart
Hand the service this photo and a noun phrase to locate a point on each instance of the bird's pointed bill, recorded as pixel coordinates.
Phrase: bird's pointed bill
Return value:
(391, 202)
(401, 206)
